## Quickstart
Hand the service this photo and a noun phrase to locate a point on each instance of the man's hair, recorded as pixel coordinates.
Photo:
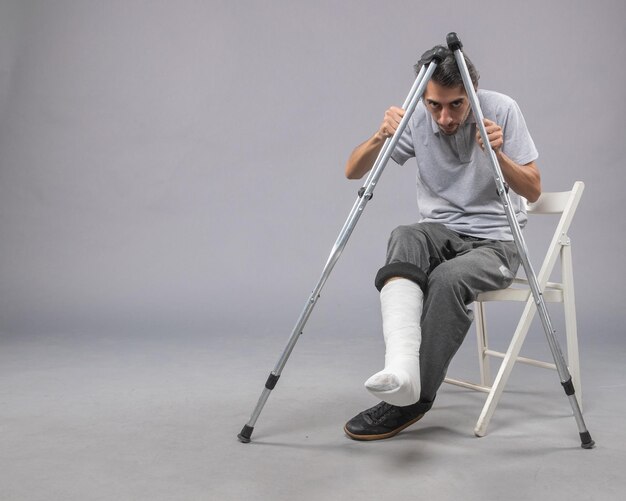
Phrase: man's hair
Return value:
(447, 73)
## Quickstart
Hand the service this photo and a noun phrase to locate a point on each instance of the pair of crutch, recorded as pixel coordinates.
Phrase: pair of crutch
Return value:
(430, 61)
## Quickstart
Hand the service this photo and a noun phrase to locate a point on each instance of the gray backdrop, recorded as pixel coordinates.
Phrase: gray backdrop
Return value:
(171, 183)
(170, 167)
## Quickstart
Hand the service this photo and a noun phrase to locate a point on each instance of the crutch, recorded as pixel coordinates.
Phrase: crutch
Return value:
(430, 60)
(455, 45)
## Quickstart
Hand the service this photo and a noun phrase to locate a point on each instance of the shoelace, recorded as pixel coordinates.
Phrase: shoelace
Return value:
(379, 411)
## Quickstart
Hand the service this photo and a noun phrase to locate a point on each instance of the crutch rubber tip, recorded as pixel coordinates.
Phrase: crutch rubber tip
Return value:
(453, 42)
(586, 441)
(246, 433)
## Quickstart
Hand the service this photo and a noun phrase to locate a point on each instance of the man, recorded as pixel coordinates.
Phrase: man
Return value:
(462, 245)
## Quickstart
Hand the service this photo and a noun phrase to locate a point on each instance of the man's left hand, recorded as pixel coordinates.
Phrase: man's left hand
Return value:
(494, 133)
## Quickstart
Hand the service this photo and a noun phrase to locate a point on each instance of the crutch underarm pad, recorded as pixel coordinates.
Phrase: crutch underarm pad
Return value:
(438, 54)
(453, 42)
(403, 270)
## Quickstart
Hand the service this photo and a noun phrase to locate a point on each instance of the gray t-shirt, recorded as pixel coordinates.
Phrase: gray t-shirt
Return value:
(455, 181)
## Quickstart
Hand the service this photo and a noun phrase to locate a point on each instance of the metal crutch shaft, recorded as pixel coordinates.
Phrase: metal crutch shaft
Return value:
(455, 45)
(365, 194)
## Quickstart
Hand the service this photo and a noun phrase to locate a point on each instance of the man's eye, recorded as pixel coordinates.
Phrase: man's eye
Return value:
(456, 104)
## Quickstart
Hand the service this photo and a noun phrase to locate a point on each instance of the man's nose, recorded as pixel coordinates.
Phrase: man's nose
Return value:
(444, 117)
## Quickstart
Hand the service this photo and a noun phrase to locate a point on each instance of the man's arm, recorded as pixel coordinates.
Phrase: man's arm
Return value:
(363, 157)
(525, 180)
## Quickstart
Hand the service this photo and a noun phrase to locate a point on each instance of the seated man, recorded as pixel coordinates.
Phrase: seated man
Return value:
(461, 246)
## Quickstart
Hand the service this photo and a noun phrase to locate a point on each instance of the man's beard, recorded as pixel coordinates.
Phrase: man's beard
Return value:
(461, 123)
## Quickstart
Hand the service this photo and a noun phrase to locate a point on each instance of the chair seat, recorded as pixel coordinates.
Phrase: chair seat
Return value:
(553, 293)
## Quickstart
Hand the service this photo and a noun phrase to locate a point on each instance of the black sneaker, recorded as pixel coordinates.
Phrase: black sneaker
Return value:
(384, 420)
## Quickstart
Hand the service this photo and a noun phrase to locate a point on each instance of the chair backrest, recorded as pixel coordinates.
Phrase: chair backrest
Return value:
(557, 202)
(564, 203)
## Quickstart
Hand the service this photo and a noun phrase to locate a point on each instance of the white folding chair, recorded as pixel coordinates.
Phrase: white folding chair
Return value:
(564, 203)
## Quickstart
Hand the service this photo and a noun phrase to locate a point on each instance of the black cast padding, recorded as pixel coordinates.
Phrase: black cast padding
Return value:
(403, 270)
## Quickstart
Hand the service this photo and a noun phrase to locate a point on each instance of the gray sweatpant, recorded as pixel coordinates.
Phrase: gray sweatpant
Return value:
(458, 268)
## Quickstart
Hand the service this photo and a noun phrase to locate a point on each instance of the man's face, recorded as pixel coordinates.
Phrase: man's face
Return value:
(449, 106)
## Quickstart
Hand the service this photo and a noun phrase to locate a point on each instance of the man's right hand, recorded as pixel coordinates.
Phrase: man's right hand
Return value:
(392, 119)
(363, 157)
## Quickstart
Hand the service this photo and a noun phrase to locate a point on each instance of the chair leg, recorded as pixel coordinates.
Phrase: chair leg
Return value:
(569, 305)
(482, 343)
(505, 368)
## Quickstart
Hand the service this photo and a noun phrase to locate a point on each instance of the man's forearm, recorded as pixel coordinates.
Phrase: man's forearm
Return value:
(524, 180)
(363, 157)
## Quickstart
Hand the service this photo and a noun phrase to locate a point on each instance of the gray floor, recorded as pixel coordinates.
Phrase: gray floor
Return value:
(94, 417)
